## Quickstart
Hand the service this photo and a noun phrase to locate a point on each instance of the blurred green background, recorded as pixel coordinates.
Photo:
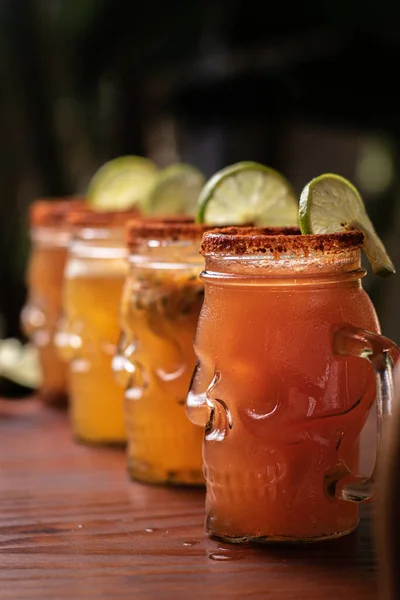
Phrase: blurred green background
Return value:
(305, 88)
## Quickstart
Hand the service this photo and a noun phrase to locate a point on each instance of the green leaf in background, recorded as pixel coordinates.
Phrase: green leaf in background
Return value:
(20, 363)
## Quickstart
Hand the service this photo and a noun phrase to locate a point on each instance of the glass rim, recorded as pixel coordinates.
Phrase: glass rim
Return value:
(174, 228)
(277, 241)
(86, 217)
(54, 212)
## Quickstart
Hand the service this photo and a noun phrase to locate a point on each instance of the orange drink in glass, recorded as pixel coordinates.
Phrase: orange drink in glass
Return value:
(284, 383)
(161, 302)
(50, 235)
(94, 276)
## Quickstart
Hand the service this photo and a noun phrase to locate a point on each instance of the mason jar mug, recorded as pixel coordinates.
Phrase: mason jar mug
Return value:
(94, 276)
(50, 235)
(290, 361)
(161, 302)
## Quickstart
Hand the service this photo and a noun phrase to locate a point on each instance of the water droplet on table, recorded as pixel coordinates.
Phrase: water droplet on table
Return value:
(220, 557)
(190, 543)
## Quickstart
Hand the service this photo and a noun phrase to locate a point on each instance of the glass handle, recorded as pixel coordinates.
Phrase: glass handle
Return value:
(382, 353)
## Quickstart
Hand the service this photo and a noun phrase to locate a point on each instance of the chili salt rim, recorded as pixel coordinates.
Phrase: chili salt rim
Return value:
(90, 218)
(172, 229)
(241, 241)
(54, 212)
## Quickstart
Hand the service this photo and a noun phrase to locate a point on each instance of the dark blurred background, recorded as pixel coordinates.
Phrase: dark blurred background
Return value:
(304, 87)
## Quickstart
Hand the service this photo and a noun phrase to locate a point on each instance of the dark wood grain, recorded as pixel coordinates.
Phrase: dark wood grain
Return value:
(72, 526)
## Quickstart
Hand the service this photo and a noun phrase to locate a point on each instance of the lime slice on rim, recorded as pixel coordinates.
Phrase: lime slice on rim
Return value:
(176, 190)
(122, 183)
(248, 192)
(330, 203)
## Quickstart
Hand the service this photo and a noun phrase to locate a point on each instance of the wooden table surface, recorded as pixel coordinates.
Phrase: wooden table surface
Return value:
(72, 526)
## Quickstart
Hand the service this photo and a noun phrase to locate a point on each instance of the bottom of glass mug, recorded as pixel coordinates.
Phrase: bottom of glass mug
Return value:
(53, 398)
(81, 439)
(281, 539)
(148, 474)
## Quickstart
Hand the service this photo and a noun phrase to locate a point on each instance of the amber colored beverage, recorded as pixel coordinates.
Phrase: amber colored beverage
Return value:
(94, 277)
(281, 383)
(50, 235)
(161, 303)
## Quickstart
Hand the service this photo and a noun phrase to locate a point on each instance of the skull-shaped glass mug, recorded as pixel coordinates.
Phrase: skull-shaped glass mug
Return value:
(50, 235)
(88, 332)
(290, 359)
(155, 359)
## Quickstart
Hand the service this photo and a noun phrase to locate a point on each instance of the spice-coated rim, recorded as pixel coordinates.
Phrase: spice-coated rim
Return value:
(88, 217)
(169, 228)
(53, 212)
(241, 241)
